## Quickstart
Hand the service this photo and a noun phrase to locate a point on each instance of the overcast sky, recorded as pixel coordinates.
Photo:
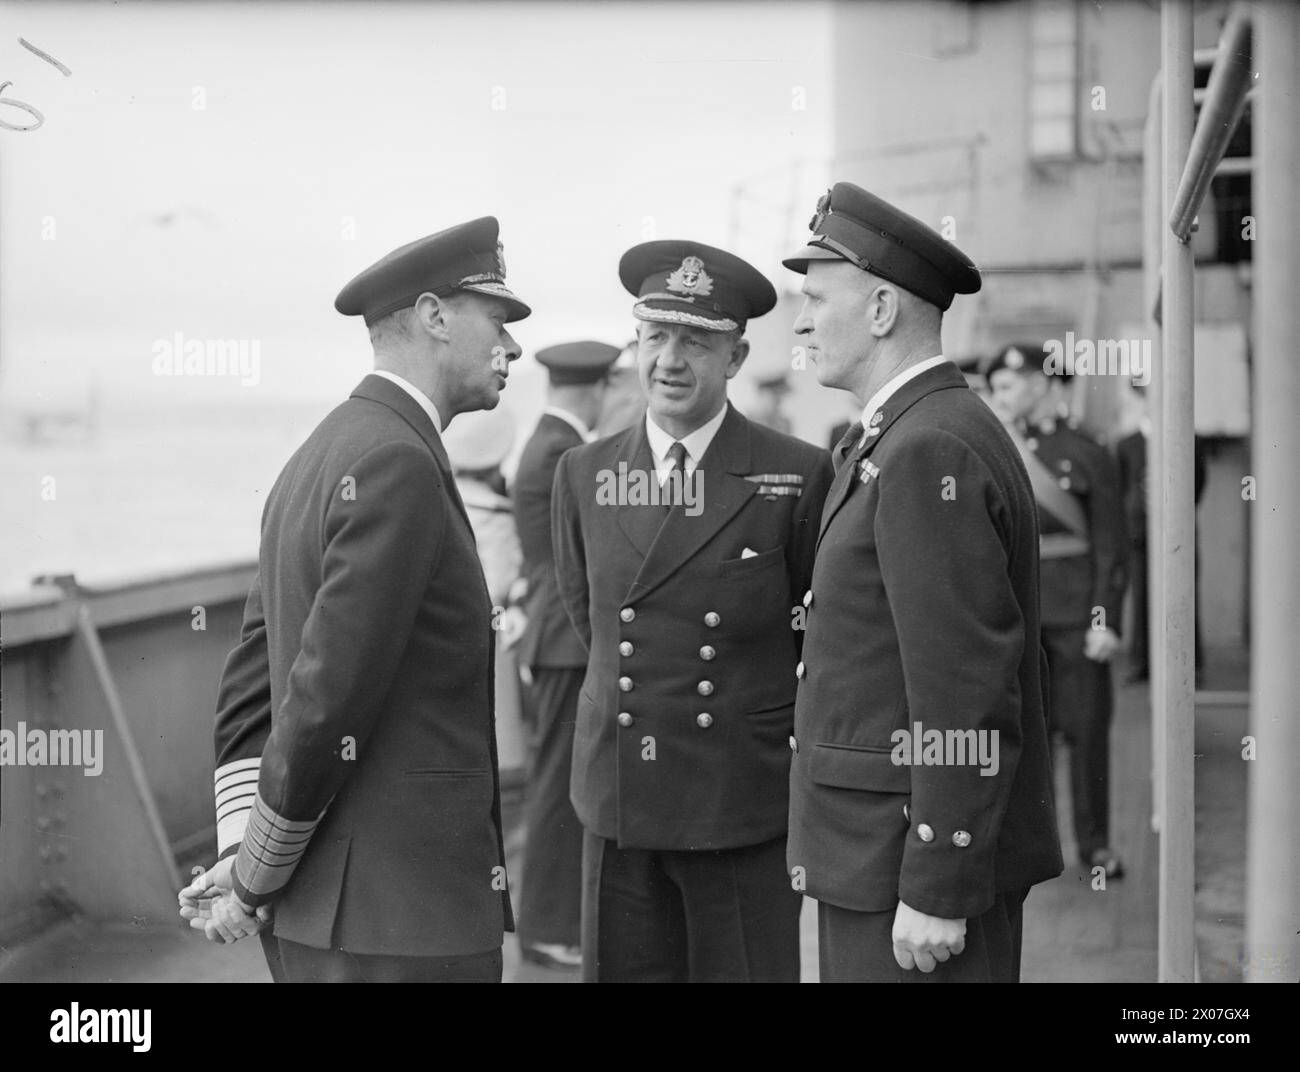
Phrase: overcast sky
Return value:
(132, 214)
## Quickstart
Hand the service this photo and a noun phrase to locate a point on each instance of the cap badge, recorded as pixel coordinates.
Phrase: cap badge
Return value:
(822, 211)
(1014, 360)
(501, 260)
(690, 278)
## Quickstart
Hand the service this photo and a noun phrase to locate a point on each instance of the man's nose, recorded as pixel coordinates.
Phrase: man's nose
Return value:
(803, 323)
(512, 348)
(671, 355)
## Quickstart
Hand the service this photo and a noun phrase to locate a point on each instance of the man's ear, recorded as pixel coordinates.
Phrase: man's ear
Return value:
(739, 351)
(431, 313)
(882, 310)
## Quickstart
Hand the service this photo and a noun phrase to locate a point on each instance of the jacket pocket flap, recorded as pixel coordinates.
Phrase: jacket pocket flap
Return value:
(855, 768)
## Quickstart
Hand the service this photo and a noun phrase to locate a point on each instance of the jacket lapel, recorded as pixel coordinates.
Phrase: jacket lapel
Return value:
(723, 491)
(939, 378)
(640, 523)
(387, 393)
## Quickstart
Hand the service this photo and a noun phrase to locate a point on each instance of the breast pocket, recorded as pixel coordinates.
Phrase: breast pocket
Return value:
(739, 567)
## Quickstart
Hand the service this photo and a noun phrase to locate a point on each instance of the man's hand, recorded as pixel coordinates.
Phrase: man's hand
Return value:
(511, 626)
(209, 905)
(922, 941)
(1100, 645)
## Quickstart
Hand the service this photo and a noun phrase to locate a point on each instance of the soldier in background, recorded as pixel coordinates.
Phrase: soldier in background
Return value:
(1084, 572)
(554, 661)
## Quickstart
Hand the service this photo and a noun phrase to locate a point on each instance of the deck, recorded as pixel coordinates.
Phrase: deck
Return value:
(1072, 933)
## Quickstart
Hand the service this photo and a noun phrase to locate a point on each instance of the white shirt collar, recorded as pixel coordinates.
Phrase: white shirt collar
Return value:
(696, 443)
(885, 393)
(422, 400)
(568, 418)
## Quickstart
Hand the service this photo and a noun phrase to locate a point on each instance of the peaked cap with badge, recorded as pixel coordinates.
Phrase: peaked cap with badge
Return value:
(680, 282)
(1022, 357)
(909, 588)
(853, 225)
(573, 363)
(467, 256)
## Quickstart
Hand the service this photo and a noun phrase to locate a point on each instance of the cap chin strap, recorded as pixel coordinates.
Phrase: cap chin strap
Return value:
(826, 242)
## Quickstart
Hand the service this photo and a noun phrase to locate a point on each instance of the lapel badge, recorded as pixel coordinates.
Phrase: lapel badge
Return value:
(868, 470)
(690, 278)
(876, 418)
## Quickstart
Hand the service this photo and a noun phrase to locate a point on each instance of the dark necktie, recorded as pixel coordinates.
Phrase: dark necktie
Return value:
(676, 460)
(673, 485)
(847, 444)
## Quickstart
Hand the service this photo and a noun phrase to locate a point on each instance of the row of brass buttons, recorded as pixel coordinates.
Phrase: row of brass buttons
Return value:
(704, 720)
(712, 619)
(707, 653)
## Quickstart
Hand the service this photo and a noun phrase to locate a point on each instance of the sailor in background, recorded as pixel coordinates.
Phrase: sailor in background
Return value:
(689, 610)
(357, 792)
(554, 660)
(477, 444)
(922, 617)
(1084, 573)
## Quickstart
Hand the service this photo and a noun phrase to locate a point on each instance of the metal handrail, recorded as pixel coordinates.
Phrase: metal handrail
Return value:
(1231, 80)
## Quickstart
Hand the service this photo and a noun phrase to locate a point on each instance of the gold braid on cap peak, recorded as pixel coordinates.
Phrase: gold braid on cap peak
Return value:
(673, 316)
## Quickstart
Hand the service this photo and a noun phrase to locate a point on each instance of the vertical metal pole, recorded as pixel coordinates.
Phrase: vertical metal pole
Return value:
(1273, 847)
(1152, 230)
(1177, 811)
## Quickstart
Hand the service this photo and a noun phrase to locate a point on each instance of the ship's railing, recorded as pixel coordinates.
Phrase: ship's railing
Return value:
(107, 699)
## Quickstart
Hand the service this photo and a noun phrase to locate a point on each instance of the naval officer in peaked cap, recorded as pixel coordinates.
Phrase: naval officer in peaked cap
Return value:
(554, 659)
(687, 609)
(356, 783)
(1082, 576)
(922, 616)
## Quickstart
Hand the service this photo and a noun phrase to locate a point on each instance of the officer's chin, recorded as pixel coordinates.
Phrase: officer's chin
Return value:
(825, 374)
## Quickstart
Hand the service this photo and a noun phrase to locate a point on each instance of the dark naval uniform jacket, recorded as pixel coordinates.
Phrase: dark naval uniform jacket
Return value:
(692, 639)
(923, 609)
(355, 740)
(549, 640)
(1095, 573)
